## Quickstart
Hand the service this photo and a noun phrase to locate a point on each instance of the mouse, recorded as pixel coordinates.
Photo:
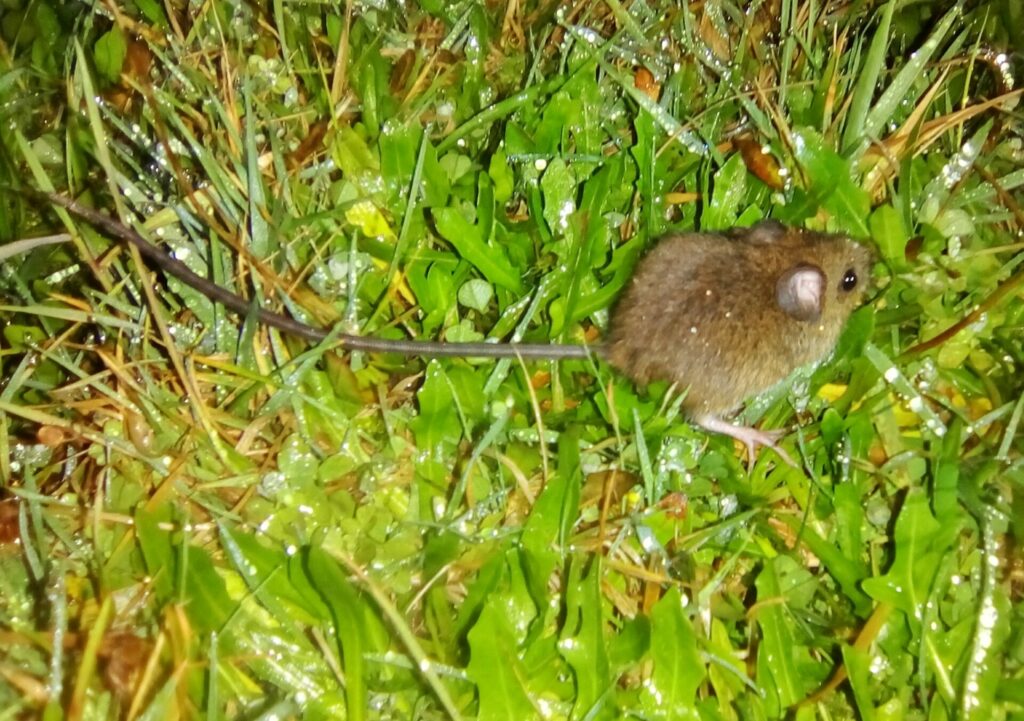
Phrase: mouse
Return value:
(731, 314)
(726, 315)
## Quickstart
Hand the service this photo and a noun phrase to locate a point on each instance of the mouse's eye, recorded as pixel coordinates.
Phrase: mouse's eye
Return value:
(849, 280)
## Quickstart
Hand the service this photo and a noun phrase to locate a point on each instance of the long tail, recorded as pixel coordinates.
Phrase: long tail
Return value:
(232, 301)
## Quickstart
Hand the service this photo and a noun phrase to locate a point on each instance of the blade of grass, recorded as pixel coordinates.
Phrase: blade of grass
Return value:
(867, 80)
(398, 622)
(87, 663)
(902, 87)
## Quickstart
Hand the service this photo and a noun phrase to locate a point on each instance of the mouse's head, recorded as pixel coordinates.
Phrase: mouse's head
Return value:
(827, 282)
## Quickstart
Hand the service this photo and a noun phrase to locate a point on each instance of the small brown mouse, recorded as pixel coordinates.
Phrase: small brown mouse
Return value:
(727, 315)
(731, 314)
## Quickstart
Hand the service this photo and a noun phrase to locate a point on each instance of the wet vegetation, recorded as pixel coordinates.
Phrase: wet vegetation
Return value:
(200, 517)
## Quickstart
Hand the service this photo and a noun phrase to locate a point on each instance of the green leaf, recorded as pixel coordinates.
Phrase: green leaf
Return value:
(347, 609)
(630, 644)
(209, 605)
(558, 184)
(355, 158)
(547, 531)
(581, 642)
(831, 426)
(678, 667)
(727, 680)
(890, 234)
(496, 669)
(463, 332)
(777, 674)
(23, 337)
(109, 54)
(157, 549)
(848, 501)
(502, 176)
(730, 190)
(437, 186)
(266, 572)
(153, 11)
(643, 153)
(858, 670)
(465, 238)
(952, 222)
(485, 207)
(476, 294)
(554, 513)
(481, 591)
(848, 571)
(994, 614)
(920, 542)
(432, 284)
(947, 452)
(369, 220)
(437, 427)
(830, 184)
(398, 146)
(49, 43)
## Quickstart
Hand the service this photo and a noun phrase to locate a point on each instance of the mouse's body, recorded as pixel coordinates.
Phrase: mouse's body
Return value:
(726, 315)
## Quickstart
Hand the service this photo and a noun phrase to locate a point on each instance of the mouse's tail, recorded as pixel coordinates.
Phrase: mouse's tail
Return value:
(232, 301)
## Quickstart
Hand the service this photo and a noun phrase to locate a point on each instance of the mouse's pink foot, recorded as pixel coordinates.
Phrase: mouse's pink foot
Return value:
(750, 437)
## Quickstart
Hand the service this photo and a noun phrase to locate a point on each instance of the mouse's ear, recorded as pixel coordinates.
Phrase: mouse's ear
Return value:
(800, 292)
(765, 232)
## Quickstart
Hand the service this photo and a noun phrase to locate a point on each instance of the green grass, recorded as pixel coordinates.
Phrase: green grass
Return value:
(202, 518)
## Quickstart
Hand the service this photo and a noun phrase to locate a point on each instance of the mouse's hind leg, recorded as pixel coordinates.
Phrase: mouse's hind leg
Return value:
(749, 437)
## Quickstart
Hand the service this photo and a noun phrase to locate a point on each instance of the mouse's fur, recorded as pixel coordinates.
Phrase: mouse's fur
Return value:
(702, 310)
